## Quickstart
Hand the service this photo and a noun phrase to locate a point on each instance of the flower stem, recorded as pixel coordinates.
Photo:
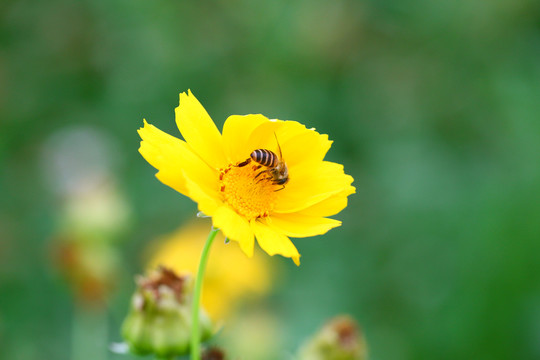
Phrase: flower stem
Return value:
(195, 334)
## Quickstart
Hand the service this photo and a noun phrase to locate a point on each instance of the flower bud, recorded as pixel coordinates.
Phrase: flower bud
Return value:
(159, 320)
(213, 353)
(339, 339)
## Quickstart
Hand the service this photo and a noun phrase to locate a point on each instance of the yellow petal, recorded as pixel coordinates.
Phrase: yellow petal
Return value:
(298, 225)
(160, 150)
(236, 132)
(301, 145)
(273, 134)
(207, 201)
(176, 163)
(273, 242)
(262, 137)
(235, 227)
(311, 183)
(297, 143)
(199, 131)
(331, 205)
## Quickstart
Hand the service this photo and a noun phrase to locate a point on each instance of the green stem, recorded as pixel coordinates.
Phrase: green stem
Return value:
(195, 334)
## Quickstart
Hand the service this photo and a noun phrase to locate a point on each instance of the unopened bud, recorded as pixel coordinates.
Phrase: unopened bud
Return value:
(339, 339)
(213, 353)
(159, 321)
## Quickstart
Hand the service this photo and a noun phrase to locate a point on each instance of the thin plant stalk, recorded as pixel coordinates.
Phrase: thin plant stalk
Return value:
(195, 334)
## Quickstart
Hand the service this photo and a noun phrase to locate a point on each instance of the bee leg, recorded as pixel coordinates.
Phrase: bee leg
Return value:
(244, 163)
(264, 171)
(261, 179)
(264, 178)
(281, 188)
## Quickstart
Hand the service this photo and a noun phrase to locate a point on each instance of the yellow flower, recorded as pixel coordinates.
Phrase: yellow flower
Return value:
(229, 277)
(212, 169)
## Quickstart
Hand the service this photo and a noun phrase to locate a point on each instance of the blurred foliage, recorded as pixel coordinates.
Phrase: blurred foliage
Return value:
(433, 106)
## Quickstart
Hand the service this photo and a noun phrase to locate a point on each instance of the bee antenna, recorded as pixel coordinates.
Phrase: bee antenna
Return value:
(279, 147)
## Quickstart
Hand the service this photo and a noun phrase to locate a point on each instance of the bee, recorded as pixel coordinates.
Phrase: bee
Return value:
(276, 170)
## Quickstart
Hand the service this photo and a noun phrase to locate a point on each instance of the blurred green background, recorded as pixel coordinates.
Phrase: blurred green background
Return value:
(434, 107)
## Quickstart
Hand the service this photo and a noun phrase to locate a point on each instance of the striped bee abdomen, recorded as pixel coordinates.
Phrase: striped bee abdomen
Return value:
(265, 157)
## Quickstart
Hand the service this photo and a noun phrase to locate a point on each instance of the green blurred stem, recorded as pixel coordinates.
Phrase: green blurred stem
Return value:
(195, 334)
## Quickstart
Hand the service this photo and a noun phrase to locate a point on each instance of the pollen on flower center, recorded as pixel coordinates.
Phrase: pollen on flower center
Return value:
(249, 196)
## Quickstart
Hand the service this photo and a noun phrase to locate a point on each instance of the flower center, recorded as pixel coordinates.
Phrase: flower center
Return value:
(249, 196)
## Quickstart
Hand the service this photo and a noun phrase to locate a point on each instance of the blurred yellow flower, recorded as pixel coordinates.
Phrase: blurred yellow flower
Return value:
(285, 190)
(229, 277)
